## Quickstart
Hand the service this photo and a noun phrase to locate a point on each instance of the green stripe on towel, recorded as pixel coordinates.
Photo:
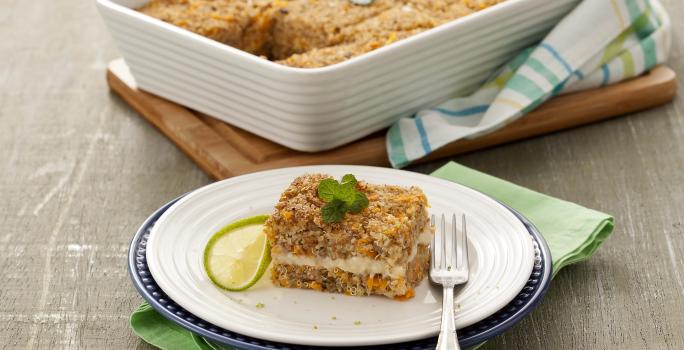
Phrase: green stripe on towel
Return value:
(398, 154)
(525, 86)
(543, 71)
(627, 64)
(648, 46)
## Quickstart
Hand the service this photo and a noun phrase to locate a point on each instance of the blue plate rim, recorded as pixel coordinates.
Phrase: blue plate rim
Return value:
(192, 323)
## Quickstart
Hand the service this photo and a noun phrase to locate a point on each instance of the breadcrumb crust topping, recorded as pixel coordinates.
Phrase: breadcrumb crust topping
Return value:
(310, 33)
(387, 229)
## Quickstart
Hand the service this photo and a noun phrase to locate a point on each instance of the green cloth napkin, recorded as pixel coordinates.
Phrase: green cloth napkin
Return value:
(572, 232)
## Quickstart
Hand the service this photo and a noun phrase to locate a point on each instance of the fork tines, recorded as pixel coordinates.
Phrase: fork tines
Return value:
(450, 252)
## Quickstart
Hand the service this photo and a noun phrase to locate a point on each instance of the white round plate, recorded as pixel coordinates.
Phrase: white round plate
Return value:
(501, 260)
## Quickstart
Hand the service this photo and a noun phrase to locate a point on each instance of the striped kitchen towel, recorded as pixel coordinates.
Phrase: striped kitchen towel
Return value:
(600, 42)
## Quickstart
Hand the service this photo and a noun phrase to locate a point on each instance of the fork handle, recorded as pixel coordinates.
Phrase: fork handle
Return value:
(447, 333)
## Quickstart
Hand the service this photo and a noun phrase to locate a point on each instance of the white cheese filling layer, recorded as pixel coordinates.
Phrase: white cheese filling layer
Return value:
(355, 264)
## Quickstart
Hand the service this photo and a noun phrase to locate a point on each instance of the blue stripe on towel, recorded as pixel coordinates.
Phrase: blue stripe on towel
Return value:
(423, 135)
(556, 55)
(606, 75)
(462, 112)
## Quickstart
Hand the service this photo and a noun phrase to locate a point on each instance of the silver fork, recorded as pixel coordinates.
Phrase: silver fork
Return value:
(449, 268)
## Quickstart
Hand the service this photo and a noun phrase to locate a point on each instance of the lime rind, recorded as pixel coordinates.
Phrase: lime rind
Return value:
(263, 261)
(253, 220)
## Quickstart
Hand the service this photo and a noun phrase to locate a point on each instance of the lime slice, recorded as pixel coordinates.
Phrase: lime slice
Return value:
(237, 256)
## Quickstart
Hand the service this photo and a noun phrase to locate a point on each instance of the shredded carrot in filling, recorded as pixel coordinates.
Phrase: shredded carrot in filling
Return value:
(409, 294)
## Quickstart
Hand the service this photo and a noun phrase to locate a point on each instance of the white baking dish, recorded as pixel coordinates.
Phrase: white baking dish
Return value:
(321, 108)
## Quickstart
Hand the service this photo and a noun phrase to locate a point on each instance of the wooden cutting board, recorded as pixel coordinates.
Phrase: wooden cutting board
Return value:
(224, 151)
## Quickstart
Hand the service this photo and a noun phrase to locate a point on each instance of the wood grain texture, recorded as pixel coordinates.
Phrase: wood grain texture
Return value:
(79, 171)
(223, 151)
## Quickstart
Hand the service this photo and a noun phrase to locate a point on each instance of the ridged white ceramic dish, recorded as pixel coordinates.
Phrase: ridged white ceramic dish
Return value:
(321, 108)
(501, 260)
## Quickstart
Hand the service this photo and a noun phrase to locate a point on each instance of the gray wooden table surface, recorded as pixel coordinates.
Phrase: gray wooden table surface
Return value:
(79, 171)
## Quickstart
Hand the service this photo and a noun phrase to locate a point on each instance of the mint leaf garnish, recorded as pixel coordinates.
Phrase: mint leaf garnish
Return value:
(346, 193)
(327, 189)
(341, 198)
(360, 202)
(349, 178)
(333, 211)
